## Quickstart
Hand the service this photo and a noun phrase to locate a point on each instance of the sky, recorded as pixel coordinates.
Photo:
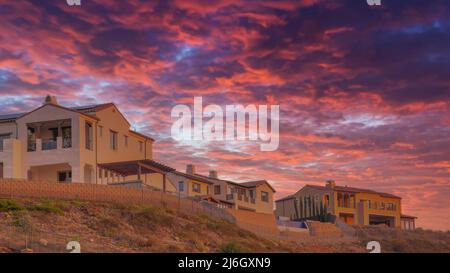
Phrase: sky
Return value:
(364, 92)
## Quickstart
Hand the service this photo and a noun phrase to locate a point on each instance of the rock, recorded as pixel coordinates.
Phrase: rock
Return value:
(43, 242)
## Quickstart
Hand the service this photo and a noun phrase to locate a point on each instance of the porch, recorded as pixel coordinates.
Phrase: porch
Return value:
(49, 135)
(132, 172)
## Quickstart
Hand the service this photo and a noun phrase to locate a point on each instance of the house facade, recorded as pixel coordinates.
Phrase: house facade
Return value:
(68, 144)
(352, 205)
(254, 196)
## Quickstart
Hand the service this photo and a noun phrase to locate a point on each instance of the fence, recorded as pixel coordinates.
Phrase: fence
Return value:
(106, 193)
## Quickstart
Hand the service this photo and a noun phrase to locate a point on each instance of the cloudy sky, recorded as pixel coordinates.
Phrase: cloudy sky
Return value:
(364, 92)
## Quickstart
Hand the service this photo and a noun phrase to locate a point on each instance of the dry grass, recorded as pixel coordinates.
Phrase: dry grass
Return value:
(400, 241)
(103, 227)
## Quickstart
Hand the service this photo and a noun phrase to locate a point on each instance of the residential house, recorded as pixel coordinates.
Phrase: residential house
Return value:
(87, 144)
(189, 184)
(354, 206)
(255, 196)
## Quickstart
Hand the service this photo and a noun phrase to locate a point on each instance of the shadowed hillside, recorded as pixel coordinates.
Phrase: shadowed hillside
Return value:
(47, 226)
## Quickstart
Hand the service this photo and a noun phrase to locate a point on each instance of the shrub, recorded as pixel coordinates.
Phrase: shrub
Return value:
(231, 247)
(10, 205)
(46, 206)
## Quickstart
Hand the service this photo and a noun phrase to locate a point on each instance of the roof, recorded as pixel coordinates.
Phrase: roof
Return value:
(142, 135)
(84, 110)
(61, 107)
(257, 183)
(127, 168)
(193, 177)
(352, 189)
(10, 117)
(93, 107)
(408, 216)
(285, 198)
(250, 184)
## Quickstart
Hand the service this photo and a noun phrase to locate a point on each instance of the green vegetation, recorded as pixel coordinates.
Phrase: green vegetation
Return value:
(230, 247)
(10, 205)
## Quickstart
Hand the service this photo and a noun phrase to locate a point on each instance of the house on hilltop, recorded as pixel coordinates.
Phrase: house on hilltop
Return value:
(353, 206)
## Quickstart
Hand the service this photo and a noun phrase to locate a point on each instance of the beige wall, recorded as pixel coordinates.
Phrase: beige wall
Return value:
(262, 206)
(205, 188)
(111, 119)
(8, 128)
(11, 158)
(48, 173)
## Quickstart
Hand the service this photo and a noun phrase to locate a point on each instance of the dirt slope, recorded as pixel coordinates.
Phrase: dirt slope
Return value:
(47, 226)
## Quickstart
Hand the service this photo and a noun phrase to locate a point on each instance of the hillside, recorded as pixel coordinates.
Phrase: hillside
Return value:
(47, 226)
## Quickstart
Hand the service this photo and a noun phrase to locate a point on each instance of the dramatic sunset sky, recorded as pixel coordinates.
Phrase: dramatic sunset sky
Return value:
(364, 91)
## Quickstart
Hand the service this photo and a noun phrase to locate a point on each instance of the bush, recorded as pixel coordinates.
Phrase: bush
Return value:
(10, 205)
(46, 206)
(231, 247)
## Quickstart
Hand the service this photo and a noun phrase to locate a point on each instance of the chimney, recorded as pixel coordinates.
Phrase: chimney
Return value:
(190, 169)
(213, 174)
(330, 184)
(50, 100)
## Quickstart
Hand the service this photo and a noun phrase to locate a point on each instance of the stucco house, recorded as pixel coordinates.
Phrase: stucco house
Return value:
(255, 196)
(354, 206)
(86, 144)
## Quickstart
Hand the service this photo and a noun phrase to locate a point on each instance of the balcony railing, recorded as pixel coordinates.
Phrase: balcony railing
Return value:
(31, 146)
(49, 144)
(67, 143)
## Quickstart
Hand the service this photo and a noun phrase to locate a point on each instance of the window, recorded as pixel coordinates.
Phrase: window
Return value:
(141, 146)
(1, 170)
(264, 196)
(181, 186)
(390, 206)
(196, 187)
(113, 140)
(126, 141)
(327, 200)
(382, 205)
(100, 172)
(216, 189)
(65, 176)
(88, 135)
(100, 131)
(3, 137)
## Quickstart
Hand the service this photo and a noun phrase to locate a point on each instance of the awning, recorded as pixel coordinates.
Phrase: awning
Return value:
(136, 167)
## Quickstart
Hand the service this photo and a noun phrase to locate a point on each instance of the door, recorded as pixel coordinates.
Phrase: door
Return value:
(1, 170)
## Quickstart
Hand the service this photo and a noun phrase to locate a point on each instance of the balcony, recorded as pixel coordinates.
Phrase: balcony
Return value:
(49, 144)
(31, 146)
(49, 135)
(242, 198)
